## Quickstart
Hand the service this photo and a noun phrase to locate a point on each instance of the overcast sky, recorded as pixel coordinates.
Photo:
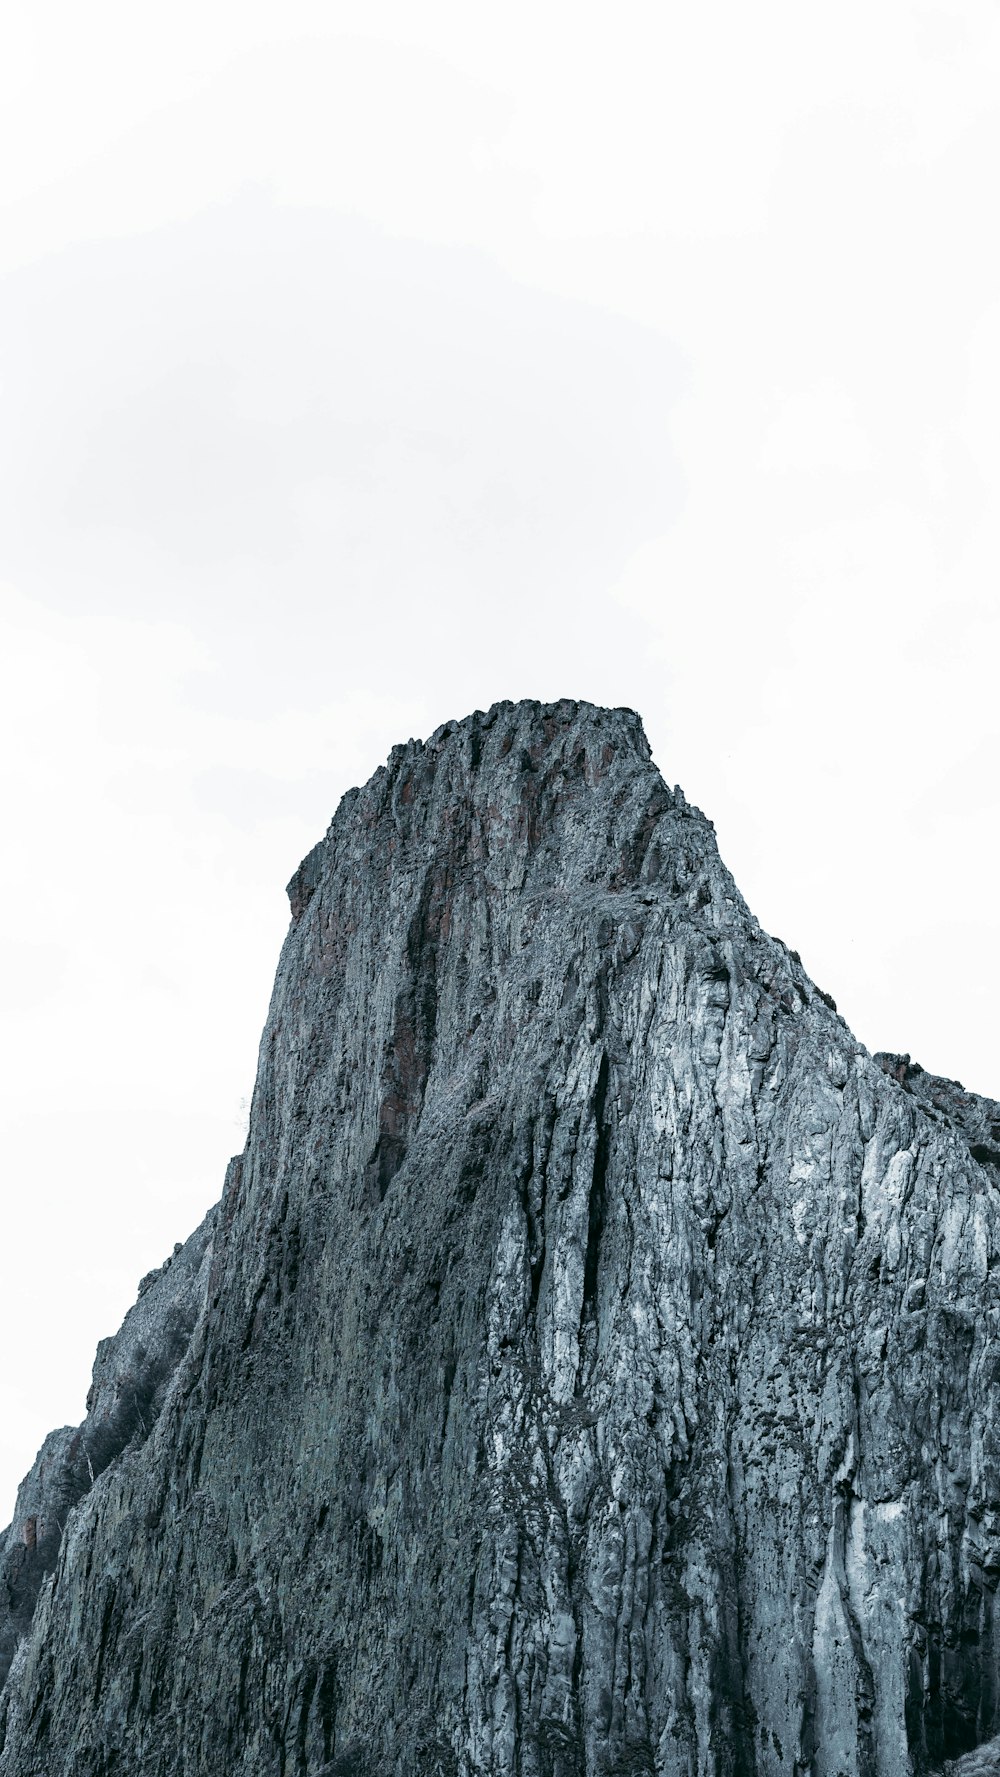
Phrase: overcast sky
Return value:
(362, 364)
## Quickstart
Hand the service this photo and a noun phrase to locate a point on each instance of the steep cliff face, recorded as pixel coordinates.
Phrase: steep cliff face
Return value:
(595, 1361)
(132, 1374)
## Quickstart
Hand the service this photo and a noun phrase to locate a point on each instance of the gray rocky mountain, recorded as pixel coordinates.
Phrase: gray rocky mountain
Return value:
(591, 1367)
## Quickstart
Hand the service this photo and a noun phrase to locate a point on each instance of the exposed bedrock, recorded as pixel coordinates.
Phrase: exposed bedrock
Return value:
(593, 1369)
(132, 1373)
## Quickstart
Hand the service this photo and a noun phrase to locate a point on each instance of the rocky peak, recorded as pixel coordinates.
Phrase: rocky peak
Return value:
(590, 1367)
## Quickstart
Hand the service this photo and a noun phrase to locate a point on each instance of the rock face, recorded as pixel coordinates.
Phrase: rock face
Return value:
(593, 1368)
(132, 1374)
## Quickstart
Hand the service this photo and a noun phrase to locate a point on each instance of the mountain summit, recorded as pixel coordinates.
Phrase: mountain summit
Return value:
(590, 1368)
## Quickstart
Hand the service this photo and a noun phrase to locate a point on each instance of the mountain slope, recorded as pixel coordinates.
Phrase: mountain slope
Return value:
(596, 1355)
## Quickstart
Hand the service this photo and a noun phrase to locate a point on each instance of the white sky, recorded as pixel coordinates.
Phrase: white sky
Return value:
(362, 364)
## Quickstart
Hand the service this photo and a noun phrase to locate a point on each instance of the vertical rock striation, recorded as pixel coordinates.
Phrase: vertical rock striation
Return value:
(592, 1370)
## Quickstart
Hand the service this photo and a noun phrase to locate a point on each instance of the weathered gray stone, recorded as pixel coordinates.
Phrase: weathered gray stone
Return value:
(132, 1373)
(596, 1368)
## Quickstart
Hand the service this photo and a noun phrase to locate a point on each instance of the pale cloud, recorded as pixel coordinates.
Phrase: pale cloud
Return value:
(363, 363)
(815, 429)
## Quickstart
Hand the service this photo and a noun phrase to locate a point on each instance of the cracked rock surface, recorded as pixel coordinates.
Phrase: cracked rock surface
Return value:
(132, 1373)
(591, 1368)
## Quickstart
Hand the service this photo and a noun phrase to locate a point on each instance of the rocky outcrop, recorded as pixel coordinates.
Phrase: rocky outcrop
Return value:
(597, 1362)
(132, 1374)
